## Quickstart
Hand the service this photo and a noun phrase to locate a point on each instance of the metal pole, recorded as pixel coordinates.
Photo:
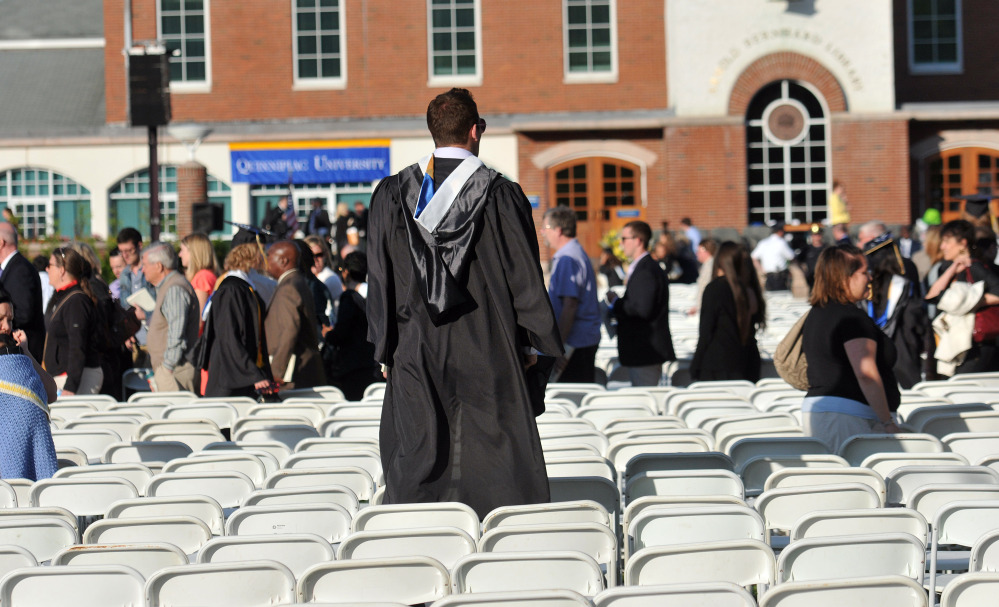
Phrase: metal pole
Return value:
(154, 188)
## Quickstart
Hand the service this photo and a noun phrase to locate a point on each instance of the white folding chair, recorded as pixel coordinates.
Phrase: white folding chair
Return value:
(747, 448)
(594, 465)
(90, 586)
(416, 516)
(146, 558)
(201, 507)
(529, 598)
(974, 446)
(246, 463)
(280, 451)
(603, 414)
(353, 428)
(8, 498)
(804, 477)
(593, 438)
(361, 409)
(443, 544)
(27, 512)
(151, 409)
(958, 523)
(373, 390)
(757, 470)
(985, 553)
(781, 508)
(661, 441)
(407, 580)
(876, 554)
(725, 443)
(857, 448)
(229, 489)
(592, 539)
(314, 413)
(598, 489)
(916, 417)
(221, 414)
(673, 462)
(526, 571)
(81, 496)
(717, 594)
(296, 551)
(331, 393)
(92, 442)
(328, 521)
(740, 387)
(684, 482)
(741, 562)
(69, 411)
(332, 494)
(246, 584)
(863, 521)
(124, 426)
(971, 590)
(313, 445)
(894, 590)
(195, 439)
(15, 557)
(175, 397)
(678, 525)
(136, 474)
(906, 479)
(43, 537)
(582, 511)
(145, 452)
(287, 434)
(176, 426)
(186, 532)
(356, 479)
(367, 460)
(548, 427)
(929, 499)
(675, 400)
(944, 424)
(885, 463)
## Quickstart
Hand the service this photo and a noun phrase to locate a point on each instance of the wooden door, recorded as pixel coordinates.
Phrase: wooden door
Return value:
(961, 171)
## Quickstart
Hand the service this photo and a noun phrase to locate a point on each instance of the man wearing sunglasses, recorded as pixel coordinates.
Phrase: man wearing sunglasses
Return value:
(456, 302)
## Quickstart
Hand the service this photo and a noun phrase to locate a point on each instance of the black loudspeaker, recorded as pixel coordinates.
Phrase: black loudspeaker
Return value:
(149, 89)
(206, 217)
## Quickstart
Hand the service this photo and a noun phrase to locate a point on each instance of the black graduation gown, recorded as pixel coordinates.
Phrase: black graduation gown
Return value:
(457, 421)
(230, 348)
(720, 354)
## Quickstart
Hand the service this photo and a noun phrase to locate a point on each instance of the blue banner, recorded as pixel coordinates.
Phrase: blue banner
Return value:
(309, 162)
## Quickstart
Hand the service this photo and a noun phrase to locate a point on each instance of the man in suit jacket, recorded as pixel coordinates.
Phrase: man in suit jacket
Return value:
(20, 279)
(290, 324)
(643, 339)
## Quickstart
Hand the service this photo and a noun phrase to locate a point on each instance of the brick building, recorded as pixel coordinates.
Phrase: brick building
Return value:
(731, 112)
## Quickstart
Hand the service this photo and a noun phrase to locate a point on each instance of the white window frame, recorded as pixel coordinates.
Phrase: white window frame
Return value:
(590, 76)
(455, 79)
(320, 83)
(954, 67)
(194, 86)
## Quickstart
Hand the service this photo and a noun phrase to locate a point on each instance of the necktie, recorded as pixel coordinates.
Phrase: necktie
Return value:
(426, 189)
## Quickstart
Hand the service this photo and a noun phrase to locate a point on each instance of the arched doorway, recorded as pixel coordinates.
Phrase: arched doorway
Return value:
(46, 203)
(787, 154)
(605, 194)
(957, 172)
(129, 202)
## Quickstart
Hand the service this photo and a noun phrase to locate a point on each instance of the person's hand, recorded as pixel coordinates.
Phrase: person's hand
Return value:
(262, 384)
(962, 262)
(326, 329)
(530, 360)
(140, 313)
(67, 393)
(888, 427)
(20, 338)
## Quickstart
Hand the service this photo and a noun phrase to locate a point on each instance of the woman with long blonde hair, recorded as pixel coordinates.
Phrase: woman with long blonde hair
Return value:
(201, 266)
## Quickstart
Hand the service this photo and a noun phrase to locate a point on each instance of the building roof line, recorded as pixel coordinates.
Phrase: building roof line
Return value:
(36, 44)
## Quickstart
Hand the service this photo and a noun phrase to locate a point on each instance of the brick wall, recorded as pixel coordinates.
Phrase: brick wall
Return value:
(778, 66)
(705, 176)
(871, 159)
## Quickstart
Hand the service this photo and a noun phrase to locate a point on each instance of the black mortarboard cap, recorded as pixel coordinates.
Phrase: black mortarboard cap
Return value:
(977, 205)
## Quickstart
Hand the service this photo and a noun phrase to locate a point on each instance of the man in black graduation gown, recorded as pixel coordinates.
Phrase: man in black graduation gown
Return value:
(456, 302)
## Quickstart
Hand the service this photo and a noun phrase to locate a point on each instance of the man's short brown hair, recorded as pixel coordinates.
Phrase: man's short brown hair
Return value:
(450, 116)
(642, 230)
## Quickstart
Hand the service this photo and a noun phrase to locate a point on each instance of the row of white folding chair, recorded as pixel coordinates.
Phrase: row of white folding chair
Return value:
(858, 447)
(960, 523)
(903, 481)
(159, 452)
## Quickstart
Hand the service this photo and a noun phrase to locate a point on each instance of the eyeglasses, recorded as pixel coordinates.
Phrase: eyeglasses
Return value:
(629, 237)
(482, 125)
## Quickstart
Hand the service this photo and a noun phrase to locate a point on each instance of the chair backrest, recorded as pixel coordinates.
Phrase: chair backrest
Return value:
(332, 494)
(246, 584)
(90, 586)
(10, 514)
(195, 439)
(918, 416)
(125, 426)
(289, 434)
(903, 481)
(615, 398)
(144, 451)
(885, 463)
(81, 496)
(443, 544)
(929, 499)
(825, 558)
(8, 498)
(526, 571)
(804, 477)
(699, 415)
(314, 413)
(416, 516)
(296, 551)
(691, 525)
(971, 421)
(70, 410)
(356, 479)
(593, 465)
(963, 522)
(622, 452)
(723, 594)
(974, 446)
(221, 414)
(201, 507)
(593, 438)
(366, 459)
(15, 557)
(406, 580)
(248, 464)
(726, 442)
(376, 389)
(592, 539)
(93, 442)
(342, 410)
(146, 558)
(136, 474)
(270, 462)
(740, 387)
(863, 521)
(781, 508)
(759, 469)
(971, 590)
(666, 462)
(740, 562)
(582, 511)
(684, 482)
(747, 448)
(313, 445)
(348, 427)
(598, 489)
(857, 448)
(43, 536)
(893, 590)
(280, 451)
(985, 553)
(229, 489)
(331, 393)
(176, 426)
(328, 521)
(175, 397)
(186, 532)
(675, 400)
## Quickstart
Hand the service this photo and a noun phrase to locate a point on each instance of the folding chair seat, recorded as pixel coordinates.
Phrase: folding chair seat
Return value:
(958, 523)
(146, 558)
(70, 411)
(684, 482)
(186, 532)
(725, 443)
(8, 498)
(747, 448)
(740, 562)
(598, 489)
(376, 389)
(864, 521)
(217, 461)
(92, 442)
(365, 459)
(592, 438)
(416, 516)
(781, 508)
(857, 448)
(740, 387)
(718, 594)
(144, 452)
(526, 571)
(324, 444)
(603, 414)
(137, 474)
(593, 465)
(356, 479)
(93, 586)
(536, 598)
(443, 544)
(201, 507)
(804, 477)
(893, 590)
(328, 521)
(757, 470)
(81, 496)
(288, 434)
(622, 452)
(221, 414)
(915, 417)
(330, 494)
(849, 556)
(548, 427)
(353, 428)
(592, 539)
(671, 526)
(903, 481)
(195, 439)
(229, 489)
(971, 590)
(296, 551)
(331, 393)
(280, 451)
(582, 511)
(126, 427)
(974, 446)
(407, 580)
(174, 397)
(15, 557)
(885, 463)
(246, 584)
(42, 536)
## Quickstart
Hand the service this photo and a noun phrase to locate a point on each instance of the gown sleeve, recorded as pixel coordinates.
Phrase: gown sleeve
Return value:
(381, 299)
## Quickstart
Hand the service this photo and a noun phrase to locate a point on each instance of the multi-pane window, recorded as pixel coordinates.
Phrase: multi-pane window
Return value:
(590, 39)
(184, 29)
(319, 41)
(46, 203)
(960, 172)
(455, 41)
(787, 150)
(935, 35)
(129, 205)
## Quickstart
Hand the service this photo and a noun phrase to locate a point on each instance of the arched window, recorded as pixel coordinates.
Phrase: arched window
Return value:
(605, 193)
(787, 149)
(45, 203)
(957, 172)
(129, 201)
